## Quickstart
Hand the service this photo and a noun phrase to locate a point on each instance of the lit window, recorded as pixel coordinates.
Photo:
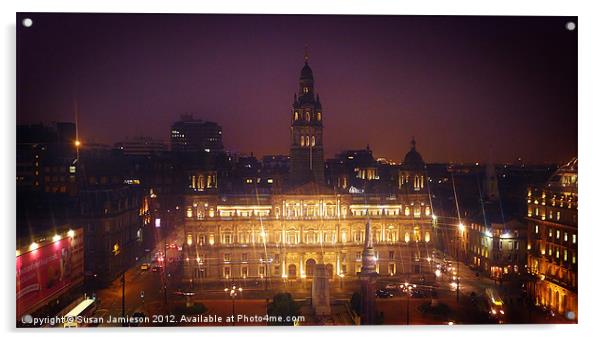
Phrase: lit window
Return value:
(566, 237)
(307, 116)
(536, 229)
(557, 234)
(296, 116)
(302, 141)
(313, 141)
(319, 116)
(226, 257)
(307, 140)
(574, 239)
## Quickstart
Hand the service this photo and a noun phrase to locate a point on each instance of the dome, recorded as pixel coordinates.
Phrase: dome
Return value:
(565, 178)
(413, 159)
(306, 72)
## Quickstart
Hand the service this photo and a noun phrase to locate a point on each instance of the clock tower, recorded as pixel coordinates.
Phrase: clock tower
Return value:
(307, 151)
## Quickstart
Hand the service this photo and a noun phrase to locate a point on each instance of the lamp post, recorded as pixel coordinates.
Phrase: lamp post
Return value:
(233, 292)
(407, 287)
(461, 228)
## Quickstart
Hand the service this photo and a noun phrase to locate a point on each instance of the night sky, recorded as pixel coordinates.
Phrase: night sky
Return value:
(463, 86)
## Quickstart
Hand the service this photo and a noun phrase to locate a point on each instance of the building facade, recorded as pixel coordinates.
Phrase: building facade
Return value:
(282, 235)
(552, 241)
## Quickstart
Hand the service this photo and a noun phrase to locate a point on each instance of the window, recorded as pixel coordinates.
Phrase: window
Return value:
(319, 116)
(358, 256)
(307, 140)
(307, 116)
(227, 271)
(313, 141)
(574, 239)
(558, 215)
(557, 234)
(226, 257)
(536, 229)
(244, 272)
(244, 257)
(302, 141)
(566, 237)
(391, 254)
(296, 116)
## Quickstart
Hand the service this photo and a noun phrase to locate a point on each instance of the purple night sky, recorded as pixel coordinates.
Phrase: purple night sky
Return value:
(461, 85)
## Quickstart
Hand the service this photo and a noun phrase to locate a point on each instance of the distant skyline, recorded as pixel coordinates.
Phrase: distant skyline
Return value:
(465, 87)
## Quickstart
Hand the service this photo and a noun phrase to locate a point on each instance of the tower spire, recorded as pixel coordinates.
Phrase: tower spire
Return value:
(306, 54)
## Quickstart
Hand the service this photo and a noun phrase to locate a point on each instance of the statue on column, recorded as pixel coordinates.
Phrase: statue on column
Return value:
(320, 291)
(368, 277)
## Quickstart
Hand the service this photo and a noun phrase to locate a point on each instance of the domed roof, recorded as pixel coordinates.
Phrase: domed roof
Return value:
(565, 178)
(413, 159)
(306, 72)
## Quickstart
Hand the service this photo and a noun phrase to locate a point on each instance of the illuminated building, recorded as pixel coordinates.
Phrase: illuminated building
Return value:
(282, 232)
(306, 148)
(552, 241)
(495, 245)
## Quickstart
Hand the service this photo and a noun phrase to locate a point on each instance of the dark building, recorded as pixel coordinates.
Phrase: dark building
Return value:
(190, 135)
(306, 149)
(46, 158)
(115, 214)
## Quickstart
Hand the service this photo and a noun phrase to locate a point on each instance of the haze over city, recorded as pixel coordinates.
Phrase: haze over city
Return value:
(465, 87)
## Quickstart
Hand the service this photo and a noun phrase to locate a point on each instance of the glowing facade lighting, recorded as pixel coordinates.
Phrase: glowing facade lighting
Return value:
(71, 233)
(33, 246)
(56, 238)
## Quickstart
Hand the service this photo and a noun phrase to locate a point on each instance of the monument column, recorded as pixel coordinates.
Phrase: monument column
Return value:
(368, 277)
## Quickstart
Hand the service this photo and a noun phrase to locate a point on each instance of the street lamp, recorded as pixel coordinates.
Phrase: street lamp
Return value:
(407, 287)
(233, 292)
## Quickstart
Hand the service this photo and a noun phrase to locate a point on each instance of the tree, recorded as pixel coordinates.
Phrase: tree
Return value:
(284, 307)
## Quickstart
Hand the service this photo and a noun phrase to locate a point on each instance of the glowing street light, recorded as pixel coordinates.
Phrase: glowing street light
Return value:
(461, 227)
(77, 143)
(233, 292)
(33, 246)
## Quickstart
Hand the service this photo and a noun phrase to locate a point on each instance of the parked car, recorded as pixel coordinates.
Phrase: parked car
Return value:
(391, 286)
(383, 294)
(144, 266)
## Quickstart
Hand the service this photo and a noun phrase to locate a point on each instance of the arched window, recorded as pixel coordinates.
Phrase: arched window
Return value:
(307, 116)
(296, 115)
(319, 116)
(313, 141)
(302, 141)
(307, 140)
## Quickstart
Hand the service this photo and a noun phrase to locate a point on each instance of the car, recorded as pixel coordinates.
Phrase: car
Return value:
(383, 294)
(416, 293)
(157, 268)
(391, 286)
(144, 266)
